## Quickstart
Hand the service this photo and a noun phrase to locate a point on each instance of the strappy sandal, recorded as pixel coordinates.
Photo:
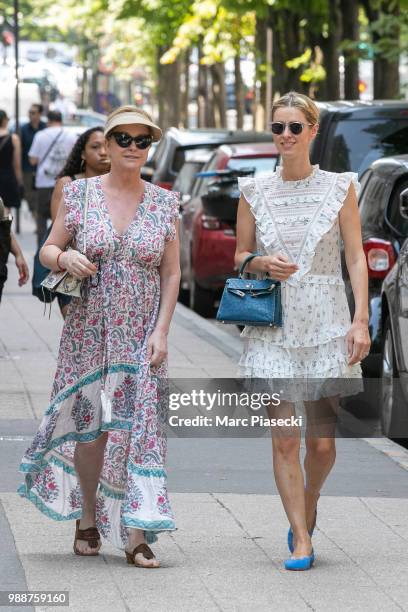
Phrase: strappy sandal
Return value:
(90, 535)
(146, 552)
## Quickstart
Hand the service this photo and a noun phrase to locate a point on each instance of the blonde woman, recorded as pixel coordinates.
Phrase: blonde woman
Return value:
(294, 219)
(99, 455)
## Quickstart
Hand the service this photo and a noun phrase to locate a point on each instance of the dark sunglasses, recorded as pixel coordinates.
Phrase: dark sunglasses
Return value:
(124, 140)
(296, 127)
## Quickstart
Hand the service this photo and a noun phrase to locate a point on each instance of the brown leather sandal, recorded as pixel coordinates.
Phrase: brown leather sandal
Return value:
(90, 535)
(146, 552)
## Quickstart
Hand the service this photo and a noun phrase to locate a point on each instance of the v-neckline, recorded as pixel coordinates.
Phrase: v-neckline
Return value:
(142, 204)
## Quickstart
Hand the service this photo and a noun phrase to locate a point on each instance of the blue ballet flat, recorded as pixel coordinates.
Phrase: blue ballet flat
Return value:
(290, 536)
(300, 565)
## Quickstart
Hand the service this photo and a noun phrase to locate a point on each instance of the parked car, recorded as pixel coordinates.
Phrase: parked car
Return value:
(354, 134)
(170, 154)
(383, 231)
(208, 221)
(195, 160)
(86, 118)
(394, 362)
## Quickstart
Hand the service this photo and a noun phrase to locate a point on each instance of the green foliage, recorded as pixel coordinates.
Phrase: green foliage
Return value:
(222, 33)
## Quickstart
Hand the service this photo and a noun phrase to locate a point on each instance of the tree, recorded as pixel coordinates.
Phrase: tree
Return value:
(219, 34)
(162, 18)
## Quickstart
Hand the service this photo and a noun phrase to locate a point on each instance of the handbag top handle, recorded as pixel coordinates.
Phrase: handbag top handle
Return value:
(246, 262)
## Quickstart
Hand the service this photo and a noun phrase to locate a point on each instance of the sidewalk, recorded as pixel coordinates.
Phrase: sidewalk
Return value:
(227, 553)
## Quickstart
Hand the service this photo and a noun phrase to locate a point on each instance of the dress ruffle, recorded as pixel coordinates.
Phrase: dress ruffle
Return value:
(264, 222)
(130, 493)
(326, 218)
(305, 322)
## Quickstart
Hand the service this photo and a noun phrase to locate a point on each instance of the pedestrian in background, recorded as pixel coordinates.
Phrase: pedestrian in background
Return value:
(99, 455)
(293, 219)
(48, 154)
(11, 177)
(28, 131)
(8, 243)
(87, 159)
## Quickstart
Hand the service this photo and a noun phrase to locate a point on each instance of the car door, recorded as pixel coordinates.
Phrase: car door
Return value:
(402, 313)
(190, 210)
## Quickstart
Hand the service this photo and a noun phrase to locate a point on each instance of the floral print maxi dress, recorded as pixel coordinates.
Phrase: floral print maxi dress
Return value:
(103, 345)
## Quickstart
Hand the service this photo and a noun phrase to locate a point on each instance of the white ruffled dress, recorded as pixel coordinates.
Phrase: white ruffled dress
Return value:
(300, 220)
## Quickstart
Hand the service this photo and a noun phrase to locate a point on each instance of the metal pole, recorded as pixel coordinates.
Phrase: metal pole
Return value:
(17, 101)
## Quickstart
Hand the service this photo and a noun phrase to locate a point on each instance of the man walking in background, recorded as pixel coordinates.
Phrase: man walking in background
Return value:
(48, 154)
(28, 131)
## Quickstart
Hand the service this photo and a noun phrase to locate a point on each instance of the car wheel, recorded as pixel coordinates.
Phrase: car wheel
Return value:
(184, 296)
(202, 300)
(391, 397)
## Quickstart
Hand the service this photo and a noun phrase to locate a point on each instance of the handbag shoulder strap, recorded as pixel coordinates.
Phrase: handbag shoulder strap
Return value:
(85, 219)
(50, 148)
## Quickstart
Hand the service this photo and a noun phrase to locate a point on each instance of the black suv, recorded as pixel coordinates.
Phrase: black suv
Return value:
(384, 230)
(170, 155)
(354, 134)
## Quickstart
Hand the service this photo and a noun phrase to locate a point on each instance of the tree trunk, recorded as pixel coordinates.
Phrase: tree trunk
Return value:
(286, 45)
(219, 94)
(349, 10)
(386, 71)
(185, 89)
(168, 92)
(239, 91)
(201, 92)
(330, 88)
(209, 100)
(259, 105)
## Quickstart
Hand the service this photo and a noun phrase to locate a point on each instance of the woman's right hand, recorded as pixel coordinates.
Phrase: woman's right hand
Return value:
(77, 264)
(278, 266)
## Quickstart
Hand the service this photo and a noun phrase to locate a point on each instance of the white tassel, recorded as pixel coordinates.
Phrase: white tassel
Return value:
(106, 407)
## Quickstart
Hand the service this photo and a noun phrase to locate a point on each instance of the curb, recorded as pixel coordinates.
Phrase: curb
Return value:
(398, 454)
(215, 335)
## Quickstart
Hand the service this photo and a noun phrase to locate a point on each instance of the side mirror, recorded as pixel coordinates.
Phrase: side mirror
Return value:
(403, 204)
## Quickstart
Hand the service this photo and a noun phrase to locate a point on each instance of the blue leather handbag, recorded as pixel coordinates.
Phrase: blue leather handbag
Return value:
(251, 302)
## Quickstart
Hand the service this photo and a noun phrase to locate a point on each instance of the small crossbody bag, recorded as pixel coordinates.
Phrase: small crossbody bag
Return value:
(251, 302)
(63, 281)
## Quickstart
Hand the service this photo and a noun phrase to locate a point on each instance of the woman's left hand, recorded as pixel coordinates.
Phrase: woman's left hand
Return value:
(157, 348)
(358, 342)
(23, 271)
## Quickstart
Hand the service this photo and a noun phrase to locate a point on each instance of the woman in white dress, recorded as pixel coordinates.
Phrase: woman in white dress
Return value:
(294, 219)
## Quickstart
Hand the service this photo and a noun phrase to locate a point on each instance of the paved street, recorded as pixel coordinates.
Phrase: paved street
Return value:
(231, 541)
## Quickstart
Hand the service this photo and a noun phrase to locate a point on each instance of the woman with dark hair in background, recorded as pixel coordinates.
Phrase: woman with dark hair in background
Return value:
(88, 158)
(11, 176)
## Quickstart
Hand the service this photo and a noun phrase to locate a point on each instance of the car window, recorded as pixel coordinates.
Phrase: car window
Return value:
(160, 152)
(372, 204)
(394, 218)
(262, 165)
(364, 181)
(355, 144)
(200, 185)
(186, 177)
